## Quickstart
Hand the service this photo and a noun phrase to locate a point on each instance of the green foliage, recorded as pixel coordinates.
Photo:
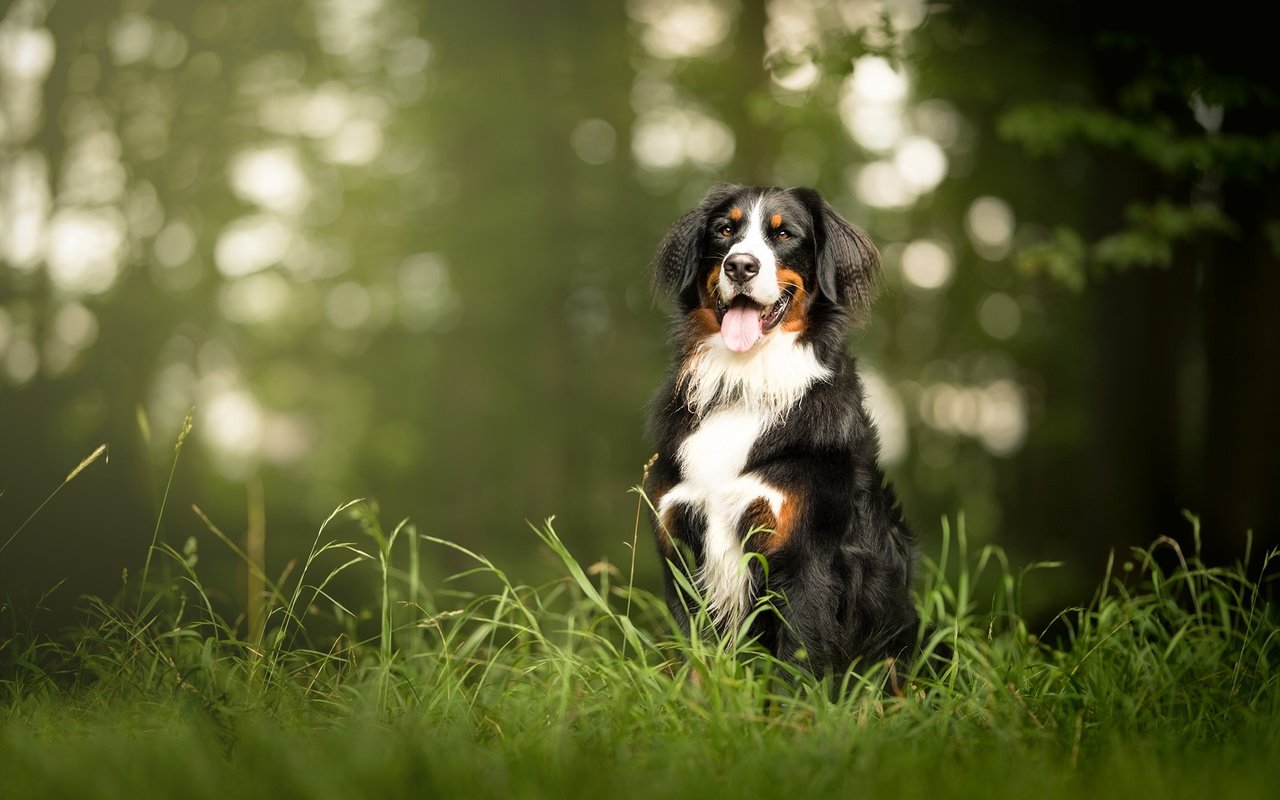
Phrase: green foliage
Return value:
(1149, 241)
(491, 687)
(1061, 258)
(1157, 227)
(1181, 138)
(1049, 128)
(1154, 229)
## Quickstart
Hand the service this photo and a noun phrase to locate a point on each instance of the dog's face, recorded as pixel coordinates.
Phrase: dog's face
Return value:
(763, 260)
(750, 261)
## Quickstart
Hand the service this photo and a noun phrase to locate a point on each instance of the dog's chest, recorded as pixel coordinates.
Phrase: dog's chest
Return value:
(716, 452)
(714, 482)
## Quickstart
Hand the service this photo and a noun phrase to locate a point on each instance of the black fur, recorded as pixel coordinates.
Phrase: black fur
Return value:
(679, 257)
(844, 574)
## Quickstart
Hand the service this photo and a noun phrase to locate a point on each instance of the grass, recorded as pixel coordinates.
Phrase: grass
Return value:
(483, 686)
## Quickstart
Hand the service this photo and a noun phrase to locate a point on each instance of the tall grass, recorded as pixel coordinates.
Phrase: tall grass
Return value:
(484, 685)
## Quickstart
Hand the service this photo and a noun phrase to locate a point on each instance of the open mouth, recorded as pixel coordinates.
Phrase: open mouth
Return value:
(743, 321)
(769, 317)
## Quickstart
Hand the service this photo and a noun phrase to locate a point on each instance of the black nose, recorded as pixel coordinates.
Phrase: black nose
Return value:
(741, 267)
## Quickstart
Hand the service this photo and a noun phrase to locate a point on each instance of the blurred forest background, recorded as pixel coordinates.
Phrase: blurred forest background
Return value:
(397, 249)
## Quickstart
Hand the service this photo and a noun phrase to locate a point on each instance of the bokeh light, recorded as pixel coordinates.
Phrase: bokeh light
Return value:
(594, 140)
(926, 264)
(990, 225)
(404, 254)
(681, 28)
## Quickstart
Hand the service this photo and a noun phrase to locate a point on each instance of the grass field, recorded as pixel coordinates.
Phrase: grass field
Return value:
(1164, 685)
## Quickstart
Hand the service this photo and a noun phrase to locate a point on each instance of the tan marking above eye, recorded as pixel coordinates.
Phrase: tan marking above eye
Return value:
(775, 220)
(735, 214)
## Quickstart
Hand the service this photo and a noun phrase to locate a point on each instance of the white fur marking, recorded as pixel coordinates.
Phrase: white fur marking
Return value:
(738, 396)
(711, 463)
(763, 288)
(768, 379)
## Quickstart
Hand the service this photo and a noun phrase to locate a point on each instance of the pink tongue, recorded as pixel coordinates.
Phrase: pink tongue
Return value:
(741, 327)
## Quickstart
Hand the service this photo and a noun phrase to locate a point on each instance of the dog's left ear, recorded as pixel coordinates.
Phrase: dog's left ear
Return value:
(848, 263)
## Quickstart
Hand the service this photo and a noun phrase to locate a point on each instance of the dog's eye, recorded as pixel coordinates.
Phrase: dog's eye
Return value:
(783, 234)
(726, 231)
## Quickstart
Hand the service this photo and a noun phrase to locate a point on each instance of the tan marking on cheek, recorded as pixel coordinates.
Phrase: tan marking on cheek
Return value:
(797, 317)
(712, 282)
(788, 276)
(699, 325)
(736, 214)
(703, 322)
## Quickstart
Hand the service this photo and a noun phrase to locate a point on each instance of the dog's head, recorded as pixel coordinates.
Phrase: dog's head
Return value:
(751, 260)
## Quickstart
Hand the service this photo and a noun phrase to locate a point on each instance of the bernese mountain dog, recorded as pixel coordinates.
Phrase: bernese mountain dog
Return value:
(764, 442)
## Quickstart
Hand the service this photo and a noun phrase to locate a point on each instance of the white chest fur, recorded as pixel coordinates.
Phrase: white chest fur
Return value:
(769, 379)
(712, 461)
(739, 396)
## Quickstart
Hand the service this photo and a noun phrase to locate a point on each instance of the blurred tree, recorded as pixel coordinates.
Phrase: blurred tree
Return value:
(398, 249)
(1149, 152)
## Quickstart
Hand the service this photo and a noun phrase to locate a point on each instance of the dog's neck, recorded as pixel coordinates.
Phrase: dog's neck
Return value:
(769, 379)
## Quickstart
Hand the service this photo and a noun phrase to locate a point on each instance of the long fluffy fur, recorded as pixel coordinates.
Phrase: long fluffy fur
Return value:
(770, 382)
(772, 450)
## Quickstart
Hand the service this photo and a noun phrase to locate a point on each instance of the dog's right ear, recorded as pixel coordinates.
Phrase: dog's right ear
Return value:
(675, 267)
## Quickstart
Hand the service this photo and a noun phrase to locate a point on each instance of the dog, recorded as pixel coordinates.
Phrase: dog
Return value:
(764, 442)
